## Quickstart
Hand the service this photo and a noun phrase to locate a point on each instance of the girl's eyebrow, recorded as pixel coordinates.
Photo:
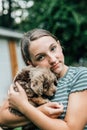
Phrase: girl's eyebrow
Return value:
(42, 53)
(52, 44)
(39, 54)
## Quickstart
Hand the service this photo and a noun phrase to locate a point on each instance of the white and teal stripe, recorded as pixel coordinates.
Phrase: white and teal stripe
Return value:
(75, 80)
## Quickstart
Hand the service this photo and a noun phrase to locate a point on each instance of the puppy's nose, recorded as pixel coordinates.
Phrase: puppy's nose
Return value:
(54, 92)
(52, 95)
(55, 89)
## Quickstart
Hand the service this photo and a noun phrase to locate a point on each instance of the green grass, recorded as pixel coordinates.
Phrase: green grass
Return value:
(19, 128)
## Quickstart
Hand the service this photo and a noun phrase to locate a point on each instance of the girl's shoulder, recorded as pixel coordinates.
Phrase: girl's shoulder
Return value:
(73, 73)
(79, 68)
(79, 78)
(76, 71)
(75, 79)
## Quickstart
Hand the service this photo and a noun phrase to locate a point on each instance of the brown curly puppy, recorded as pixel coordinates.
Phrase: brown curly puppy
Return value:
(39, 85)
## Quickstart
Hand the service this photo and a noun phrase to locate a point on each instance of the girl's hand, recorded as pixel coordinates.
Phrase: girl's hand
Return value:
(52, 109)
(16, 98)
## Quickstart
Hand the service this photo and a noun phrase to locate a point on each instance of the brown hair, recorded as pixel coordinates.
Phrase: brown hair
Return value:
(31, 36)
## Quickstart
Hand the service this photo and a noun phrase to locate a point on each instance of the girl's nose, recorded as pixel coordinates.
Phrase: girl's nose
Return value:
(51, 59)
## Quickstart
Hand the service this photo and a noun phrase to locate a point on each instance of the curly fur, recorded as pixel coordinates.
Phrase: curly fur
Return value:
(38, 83)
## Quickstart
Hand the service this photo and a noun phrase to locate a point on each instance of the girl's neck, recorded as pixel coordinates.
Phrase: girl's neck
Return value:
(63, 72)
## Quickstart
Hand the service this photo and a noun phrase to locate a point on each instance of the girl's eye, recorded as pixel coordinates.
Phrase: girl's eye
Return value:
(40, 58)
(53, 48)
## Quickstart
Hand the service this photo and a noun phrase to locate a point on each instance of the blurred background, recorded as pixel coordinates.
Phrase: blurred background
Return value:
(67, 19)
(64, 18)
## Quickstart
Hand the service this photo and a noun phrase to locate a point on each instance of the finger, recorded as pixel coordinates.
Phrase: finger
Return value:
(54, 105)
(56, 111)
(19, 87)
(11, 89)
(55, 116)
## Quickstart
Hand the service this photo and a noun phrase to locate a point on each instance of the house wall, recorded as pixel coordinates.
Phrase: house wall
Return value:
(10, 62)
(5, 69)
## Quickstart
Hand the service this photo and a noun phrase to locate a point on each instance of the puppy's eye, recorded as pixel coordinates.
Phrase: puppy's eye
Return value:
(46, 86)
(55, 83)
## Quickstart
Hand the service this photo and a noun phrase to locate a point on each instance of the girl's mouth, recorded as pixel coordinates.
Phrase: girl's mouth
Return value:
(55, 66)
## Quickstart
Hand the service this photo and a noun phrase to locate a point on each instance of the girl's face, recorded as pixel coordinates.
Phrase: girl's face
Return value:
(47, 52)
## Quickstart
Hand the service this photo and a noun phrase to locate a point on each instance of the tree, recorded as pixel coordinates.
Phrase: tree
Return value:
(6, 19)
(64, 18)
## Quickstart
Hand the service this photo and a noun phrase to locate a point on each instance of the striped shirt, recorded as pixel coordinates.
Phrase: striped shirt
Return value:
(75, 80)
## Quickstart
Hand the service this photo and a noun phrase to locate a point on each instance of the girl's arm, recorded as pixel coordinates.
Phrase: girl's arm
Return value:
(75, 119)
(8, 119)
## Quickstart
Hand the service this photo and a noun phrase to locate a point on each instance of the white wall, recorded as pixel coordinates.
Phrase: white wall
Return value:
(19, 56)
(5, 69)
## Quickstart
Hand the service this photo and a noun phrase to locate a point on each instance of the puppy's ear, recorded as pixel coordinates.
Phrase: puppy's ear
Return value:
(38, 89)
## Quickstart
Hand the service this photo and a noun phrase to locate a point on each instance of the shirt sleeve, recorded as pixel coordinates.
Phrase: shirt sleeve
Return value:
(80, 83)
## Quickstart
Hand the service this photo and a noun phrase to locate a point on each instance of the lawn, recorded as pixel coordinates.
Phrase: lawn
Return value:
(19, 128)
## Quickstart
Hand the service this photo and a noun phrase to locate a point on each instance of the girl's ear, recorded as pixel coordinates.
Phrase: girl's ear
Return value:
(58, 41)
(29, 63)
